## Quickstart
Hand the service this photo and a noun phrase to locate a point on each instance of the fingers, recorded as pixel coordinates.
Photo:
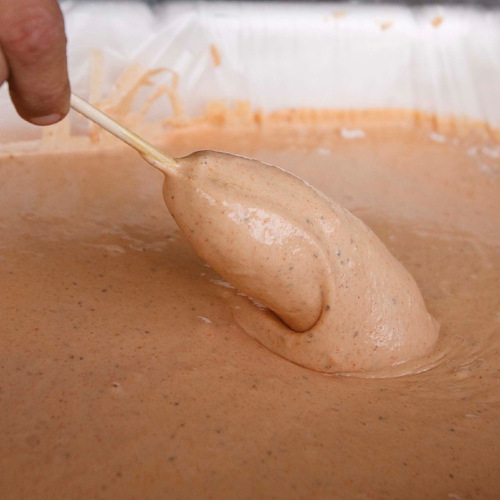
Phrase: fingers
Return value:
(33, 43)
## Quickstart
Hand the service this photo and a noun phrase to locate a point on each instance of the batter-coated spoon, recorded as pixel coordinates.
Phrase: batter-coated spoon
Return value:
(341, 301)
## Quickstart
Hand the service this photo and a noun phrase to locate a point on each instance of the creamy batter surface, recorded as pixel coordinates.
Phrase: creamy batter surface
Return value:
(127, 371)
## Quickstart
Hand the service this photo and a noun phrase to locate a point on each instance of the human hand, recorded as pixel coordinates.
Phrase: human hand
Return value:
(33, 59)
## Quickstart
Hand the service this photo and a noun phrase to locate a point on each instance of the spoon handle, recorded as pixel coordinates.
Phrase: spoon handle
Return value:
(150, 153)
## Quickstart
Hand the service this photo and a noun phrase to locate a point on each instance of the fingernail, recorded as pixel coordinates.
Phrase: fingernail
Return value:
(46, 120)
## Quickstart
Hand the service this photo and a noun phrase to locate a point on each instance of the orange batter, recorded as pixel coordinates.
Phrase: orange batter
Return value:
(124, 374)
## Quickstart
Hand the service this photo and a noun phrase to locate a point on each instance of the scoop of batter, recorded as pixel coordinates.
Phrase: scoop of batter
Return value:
(340, 301)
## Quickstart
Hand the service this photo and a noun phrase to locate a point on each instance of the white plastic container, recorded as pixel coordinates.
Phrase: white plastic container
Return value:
(439, 60)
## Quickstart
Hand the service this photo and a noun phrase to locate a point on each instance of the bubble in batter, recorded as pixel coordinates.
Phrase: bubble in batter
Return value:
(340, 301)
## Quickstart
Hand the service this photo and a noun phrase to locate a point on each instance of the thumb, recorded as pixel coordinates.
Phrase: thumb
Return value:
(34, 45)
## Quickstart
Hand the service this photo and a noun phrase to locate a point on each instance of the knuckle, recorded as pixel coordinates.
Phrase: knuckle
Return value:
(32, 34)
